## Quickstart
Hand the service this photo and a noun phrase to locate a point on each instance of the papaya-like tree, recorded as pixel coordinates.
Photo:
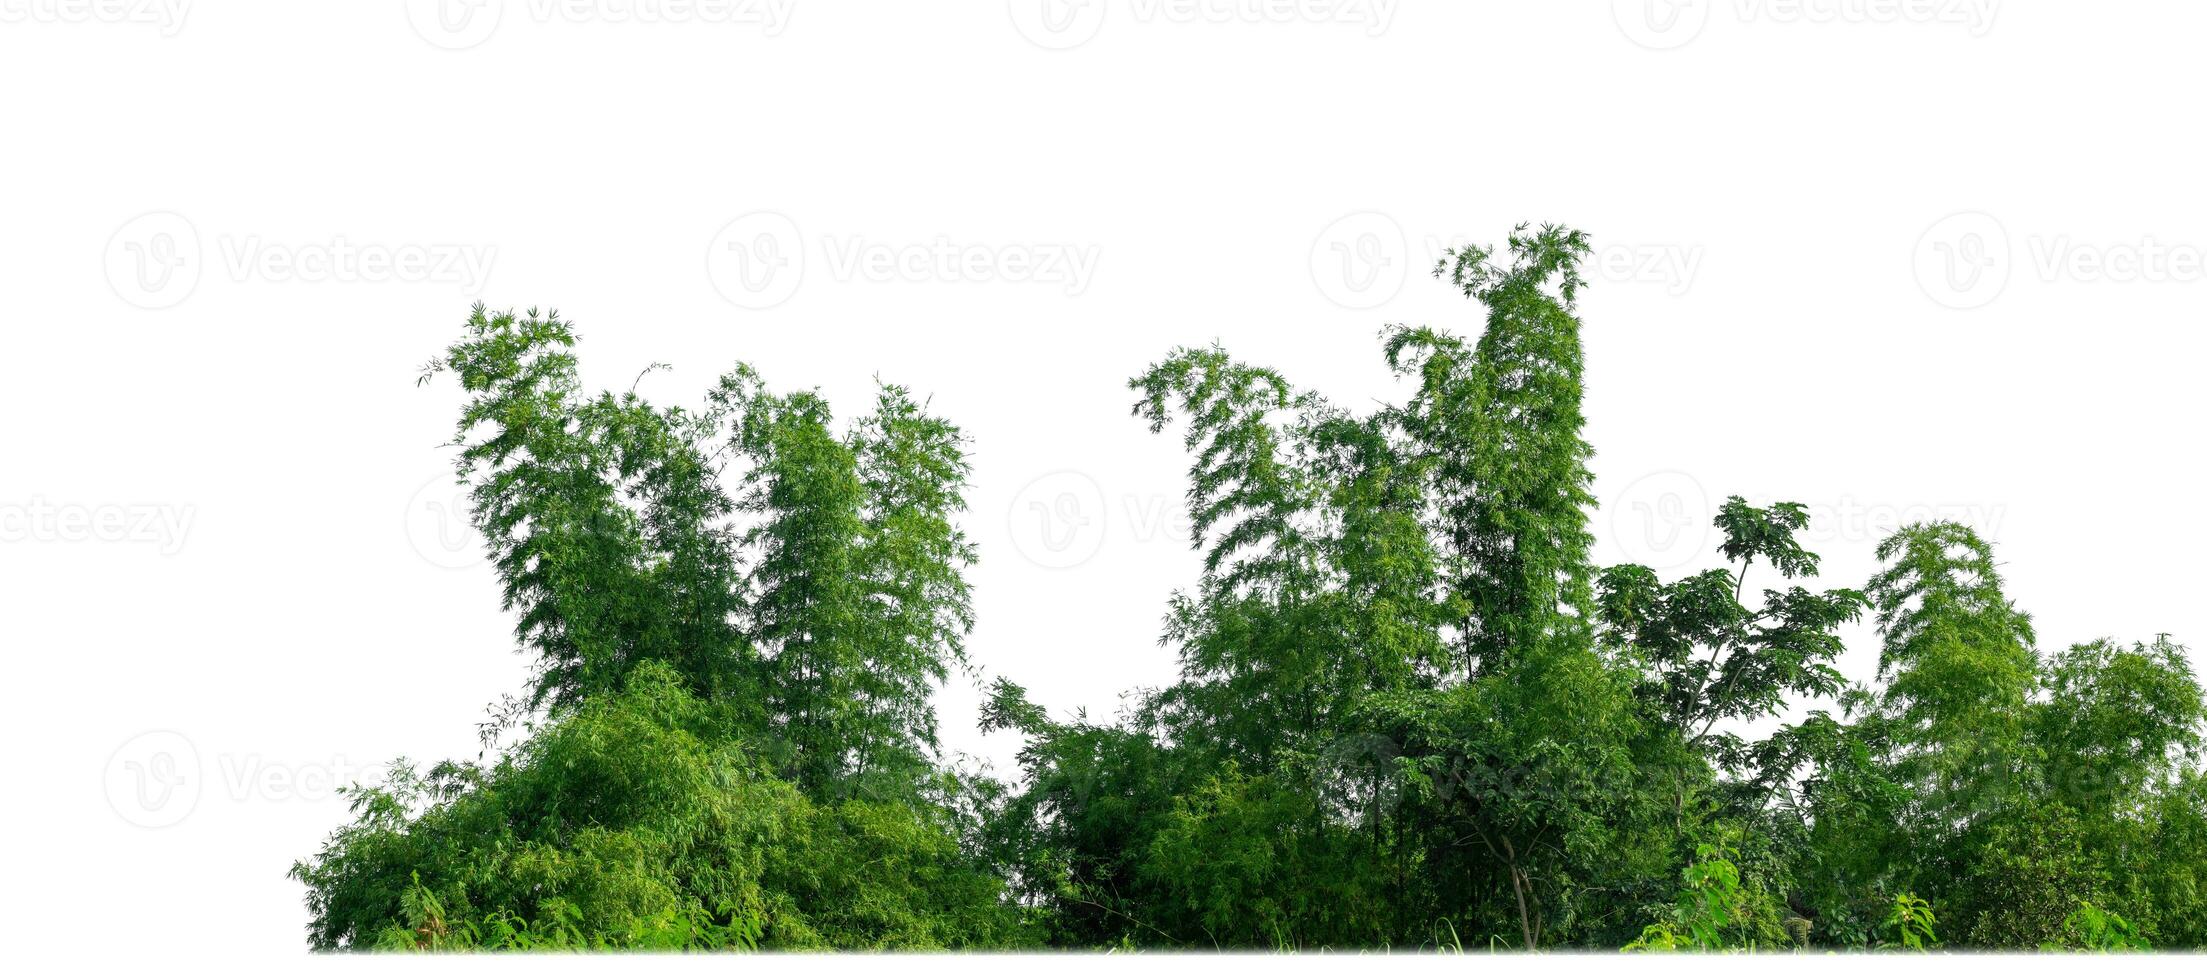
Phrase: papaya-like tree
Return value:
(1711, 660)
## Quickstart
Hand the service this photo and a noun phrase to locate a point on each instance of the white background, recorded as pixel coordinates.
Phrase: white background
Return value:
(1892, 260)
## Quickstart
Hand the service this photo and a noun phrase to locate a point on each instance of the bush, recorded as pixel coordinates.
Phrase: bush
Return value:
(634, 823)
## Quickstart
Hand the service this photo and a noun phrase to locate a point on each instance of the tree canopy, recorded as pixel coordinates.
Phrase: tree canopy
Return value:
(1411, 712)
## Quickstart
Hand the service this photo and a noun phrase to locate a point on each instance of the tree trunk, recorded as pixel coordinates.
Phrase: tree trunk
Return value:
(1519, 884)
(1524, 915)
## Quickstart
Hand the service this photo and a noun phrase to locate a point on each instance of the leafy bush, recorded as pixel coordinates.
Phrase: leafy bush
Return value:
(635, 823)
(2093, 928)
(1715, 911)
(1410, 712)
(1912, 923)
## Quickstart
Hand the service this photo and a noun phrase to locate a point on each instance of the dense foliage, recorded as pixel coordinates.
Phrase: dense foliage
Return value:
(729, 742)
(1411, 711)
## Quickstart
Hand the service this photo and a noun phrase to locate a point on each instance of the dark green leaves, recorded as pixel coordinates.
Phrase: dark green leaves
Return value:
(737, 746)
(1409, 710)
(1710, 659)
(1766, 533)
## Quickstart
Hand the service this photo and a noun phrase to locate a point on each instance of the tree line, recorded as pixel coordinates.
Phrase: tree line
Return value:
(1411, 712)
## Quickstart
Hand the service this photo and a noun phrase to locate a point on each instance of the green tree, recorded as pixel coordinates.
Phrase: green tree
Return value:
(602, 515)
(1959, 666)
(1409, 711)
(730, 743)
(634, 821)
(1500, 427)
(859, 603)
(1391, 638)
(1712, 660)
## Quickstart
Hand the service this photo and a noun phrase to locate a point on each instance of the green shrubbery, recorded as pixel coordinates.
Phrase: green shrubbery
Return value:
(1411, 713)
(637, 821)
